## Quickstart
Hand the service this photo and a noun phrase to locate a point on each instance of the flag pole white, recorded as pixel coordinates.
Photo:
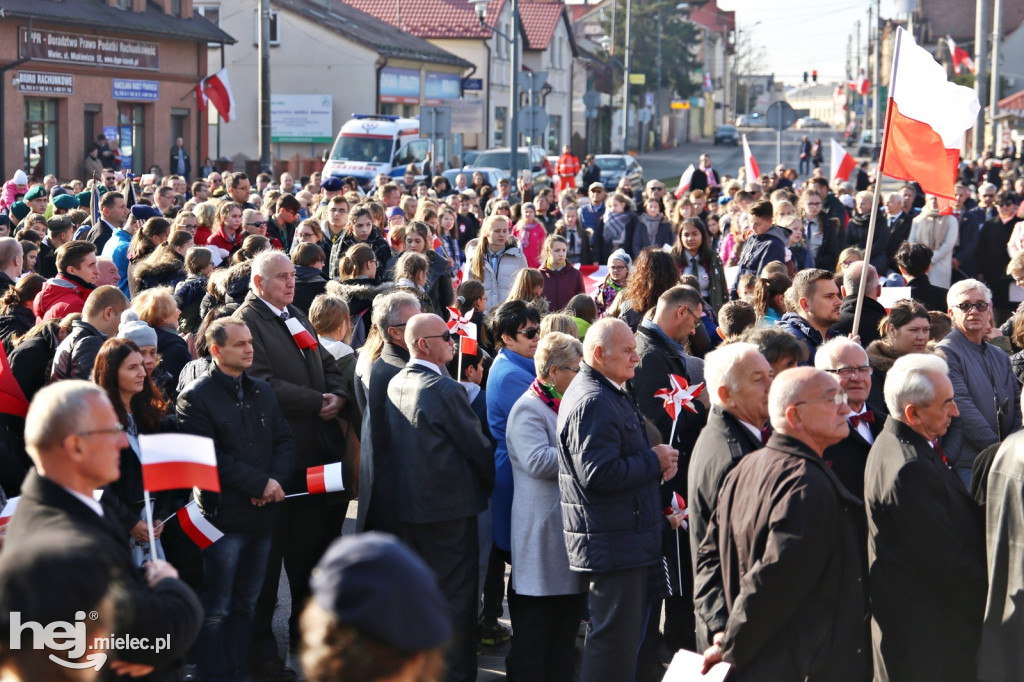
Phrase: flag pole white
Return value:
(295, 495)
(459, 370)
(679, 563)
(675, 422)
(149, 525)
(878, 189)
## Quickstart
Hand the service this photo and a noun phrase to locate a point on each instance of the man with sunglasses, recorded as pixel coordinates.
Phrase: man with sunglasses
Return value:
(986, 390)
(926, 543)
(784, 551)
(442, 479)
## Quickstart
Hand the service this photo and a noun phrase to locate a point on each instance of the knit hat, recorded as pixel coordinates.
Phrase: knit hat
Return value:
(20, 209)
(621, 255)
(135, 330)
(65, 202)
(20, 178)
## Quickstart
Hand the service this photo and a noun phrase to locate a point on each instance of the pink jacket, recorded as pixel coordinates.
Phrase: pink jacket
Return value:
(531, 240)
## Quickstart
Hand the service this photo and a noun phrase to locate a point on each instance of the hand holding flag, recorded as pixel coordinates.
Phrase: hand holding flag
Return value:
(678, 506)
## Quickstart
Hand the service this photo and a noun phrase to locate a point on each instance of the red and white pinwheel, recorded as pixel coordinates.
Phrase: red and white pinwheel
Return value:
(463, 326)
(679, 395)
(678, 505)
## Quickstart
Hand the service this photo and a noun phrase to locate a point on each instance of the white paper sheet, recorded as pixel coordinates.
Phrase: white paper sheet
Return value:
(686, 667)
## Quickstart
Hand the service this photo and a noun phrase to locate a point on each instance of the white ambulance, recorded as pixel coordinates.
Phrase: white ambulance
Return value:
(369, 144)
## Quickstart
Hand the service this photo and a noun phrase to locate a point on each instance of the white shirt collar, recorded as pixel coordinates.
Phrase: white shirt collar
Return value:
(277, 311)
(88, 500)
(750, 427)
(425, 363)
(473, 390)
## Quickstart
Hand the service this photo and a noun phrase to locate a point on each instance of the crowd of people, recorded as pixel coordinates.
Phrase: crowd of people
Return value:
(652, 410)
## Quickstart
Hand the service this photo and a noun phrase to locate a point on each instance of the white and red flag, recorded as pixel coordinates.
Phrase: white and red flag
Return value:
(750, 163)
(324, 479)
(201, 99)
(677, 505)
(196, 527)
(926, 120)
(679, 395)
(842, 164)
(960, 57)
(218, 90)
(465, 328)
(175, 461)
(684, 181)
(8, 511)
(303, 339)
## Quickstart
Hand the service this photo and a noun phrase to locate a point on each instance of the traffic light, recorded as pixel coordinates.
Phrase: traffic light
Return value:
(805, 76)
(814, 75)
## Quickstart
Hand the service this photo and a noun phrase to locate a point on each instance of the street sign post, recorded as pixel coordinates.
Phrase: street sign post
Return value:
(780, 116)
(435, 123)
(533, 121)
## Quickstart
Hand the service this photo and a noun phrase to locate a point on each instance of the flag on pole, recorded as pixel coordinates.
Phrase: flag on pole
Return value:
(960, 57)
(201, 99)
(94, 201)
(750, 163)
(679, 395)
(678, 504)
(324, 479)
(176, 461)
(466, 330)
(842, 164)
(303, 339)
(684, 181)
(218, 91)
(12, 398)
(926, 120)
(196, 527)
(8, 511)
(129, 190)
(865, 85)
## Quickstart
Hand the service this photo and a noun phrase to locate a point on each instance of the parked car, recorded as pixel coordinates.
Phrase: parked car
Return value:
(867, 143)
(469, 157)
(752, 120)
(491, 175)
(616, 166)
(811, 122)
(726, 135)
(533, 159)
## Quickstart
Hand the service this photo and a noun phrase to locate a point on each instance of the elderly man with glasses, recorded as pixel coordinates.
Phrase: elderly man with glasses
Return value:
(848, 363)
(987, 392)
(926, 543)
(442, 479)
(784, 548)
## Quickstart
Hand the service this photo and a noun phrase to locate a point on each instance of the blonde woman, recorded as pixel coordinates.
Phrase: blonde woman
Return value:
(494, 258)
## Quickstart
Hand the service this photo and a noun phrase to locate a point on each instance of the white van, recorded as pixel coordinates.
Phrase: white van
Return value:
(369, 144)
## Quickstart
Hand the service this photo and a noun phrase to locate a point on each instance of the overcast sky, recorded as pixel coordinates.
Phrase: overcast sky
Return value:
(802, 35)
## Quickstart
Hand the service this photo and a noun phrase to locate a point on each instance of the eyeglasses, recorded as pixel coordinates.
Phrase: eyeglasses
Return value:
(447, 336)
(813, 203)
(574, 370)
(1007, 203)
(259, 224)
(116, 431)
(848, 372)
(838, 398)
(980, 306)
(530, 332)
(660, 189)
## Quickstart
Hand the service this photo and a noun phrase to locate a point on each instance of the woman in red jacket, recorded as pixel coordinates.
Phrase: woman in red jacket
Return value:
(561, 280)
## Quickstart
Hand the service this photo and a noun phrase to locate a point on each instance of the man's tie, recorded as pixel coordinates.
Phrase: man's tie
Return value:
(766, 433)
(941, 453)
(693, 268)
(866, 417)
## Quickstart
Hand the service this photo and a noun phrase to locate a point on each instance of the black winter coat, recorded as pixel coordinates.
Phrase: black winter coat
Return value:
(857, 235)
(929, 295)
(785, 553)
(148, 274)
(76, 355)
(32, 360)
(609, 478)
(378, 243)
(189, 294)
(19, 321)
(253, 441)
(871, 315)
(174, 353)
(848, 457)
(309, 283)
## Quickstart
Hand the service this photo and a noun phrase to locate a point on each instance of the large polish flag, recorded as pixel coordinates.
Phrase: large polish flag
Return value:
(842, 164)
(177, 461)
(217, 89)
(926, 120)
(960, 56)
(750, 163)
(196, 527)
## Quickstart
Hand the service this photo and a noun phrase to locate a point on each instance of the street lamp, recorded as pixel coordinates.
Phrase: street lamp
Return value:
(480, 7)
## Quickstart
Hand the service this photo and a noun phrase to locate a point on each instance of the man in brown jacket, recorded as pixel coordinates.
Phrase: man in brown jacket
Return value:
(310, 390)
(784, 549)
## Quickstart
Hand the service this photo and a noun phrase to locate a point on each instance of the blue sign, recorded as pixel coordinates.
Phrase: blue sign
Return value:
(136, 90)
(472, 83)
(442, 86)
(400, 86)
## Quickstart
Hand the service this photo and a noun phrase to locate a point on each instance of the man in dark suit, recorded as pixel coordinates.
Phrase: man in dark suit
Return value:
(738, 378)
(443, 477)
(899, 223)
(74, 439)
(113, 213)
(914, 259)
(659, 343)
(310, 390)
(378, 504)
(848, 363)
(705, 176)
(926, 536)
(872, 312)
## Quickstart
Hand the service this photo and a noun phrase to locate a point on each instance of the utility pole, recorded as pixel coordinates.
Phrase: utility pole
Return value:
(876, 141)
(848, 97)
(264, 87)
(513, 121)
(980, 62)
(857, 97)
(625, 85)
(657, 92)
(997, 32)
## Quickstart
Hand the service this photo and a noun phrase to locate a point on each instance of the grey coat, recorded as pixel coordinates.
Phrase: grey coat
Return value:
(540, 562)
(982, 378)
(1001, 656)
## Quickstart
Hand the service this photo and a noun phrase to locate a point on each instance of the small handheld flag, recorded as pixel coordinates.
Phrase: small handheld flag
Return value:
(7, 512)
(324, 479)
(196, 527)
(176, 461)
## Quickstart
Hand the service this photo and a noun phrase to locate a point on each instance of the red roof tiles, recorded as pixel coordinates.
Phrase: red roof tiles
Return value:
(539, 22)
(433, 18)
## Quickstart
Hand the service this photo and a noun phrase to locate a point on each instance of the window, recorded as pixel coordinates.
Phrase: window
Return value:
(554, 130)
(91, 119)
(40, 136)
(212, 14)
(274, 38)
(131, 120)
(500, 114)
